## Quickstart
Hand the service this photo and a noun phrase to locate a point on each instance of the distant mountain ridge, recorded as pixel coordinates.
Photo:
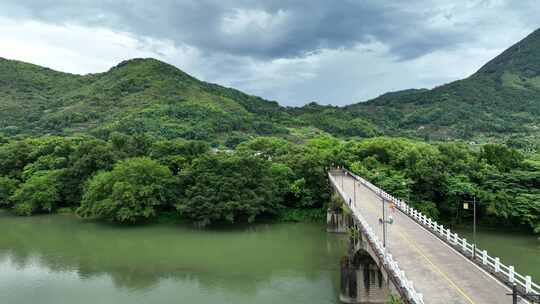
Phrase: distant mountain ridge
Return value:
(501, 100)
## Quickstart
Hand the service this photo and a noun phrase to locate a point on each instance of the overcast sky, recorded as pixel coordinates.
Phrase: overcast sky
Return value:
(294, 52)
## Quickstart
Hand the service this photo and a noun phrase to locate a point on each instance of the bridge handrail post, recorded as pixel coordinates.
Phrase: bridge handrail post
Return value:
(497, 265)
(484, 257)
(511, 274)
(528, 283)
(464, 245)
(456, 239)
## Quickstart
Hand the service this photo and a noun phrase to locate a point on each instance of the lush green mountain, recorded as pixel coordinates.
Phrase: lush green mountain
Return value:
(140, 95)
(501, 101)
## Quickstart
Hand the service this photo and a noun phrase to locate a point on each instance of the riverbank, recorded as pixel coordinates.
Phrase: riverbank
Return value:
(286, 215)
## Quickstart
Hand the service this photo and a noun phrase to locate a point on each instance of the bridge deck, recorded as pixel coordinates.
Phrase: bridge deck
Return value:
(440, 273)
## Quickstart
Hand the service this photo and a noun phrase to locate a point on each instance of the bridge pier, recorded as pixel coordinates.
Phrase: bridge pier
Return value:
(337, 221)
(362, 281)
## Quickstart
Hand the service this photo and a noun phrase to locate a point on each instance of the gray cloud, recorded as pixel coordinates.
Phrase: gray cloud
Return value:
(293, 51)
(271, 28)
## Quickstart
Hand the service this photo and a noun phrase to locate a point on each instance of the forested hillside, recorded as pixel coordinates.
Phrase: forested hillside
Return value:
(135, 97)
(501, 101)
(145, 140)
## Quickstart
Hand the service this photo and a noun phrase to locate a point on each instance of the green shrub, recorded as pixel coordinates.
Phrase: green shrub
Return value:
(231, 188)
(7, 188)
(133, 191)
(40, 193)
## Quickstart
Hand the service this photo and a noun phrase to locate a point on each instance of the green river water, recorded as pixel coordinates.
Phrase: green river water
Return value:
(513, 248)
(61, 259)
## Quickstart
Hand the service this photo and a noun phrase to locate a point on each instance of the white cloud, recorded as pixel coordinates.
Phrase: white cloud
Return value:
(81, 50)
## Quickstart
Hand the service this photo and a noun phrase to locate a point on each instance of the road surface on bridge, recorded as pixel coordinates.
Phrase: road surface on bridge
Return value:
(439, 272)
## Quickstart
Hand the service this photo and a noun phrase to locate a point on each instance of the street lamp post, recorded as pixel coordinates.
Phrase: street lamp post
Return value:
(354, 191)
(474, 224)
(514, 294)
(385, 222)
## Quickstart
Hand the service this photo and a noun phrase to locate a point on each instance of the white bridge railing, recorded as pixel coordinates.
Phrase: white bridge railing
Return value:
(483, 259)
(391, 265)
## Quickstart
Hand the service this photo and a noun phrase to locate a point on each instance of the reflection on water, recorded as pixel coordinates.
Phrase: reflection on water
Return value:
(60, 259)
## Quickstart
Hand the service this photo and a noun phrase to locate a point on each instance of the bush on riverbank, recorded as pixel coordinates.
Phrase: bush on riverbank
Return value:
(7, 188)
(40, 193)
(221, 187)
(134, 190)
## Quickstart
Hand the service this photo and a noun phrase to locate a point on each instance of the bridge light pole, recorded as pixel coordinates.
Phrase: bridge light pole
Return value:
(514, 294)
(354, 191)
(466, 206)
(385, 222)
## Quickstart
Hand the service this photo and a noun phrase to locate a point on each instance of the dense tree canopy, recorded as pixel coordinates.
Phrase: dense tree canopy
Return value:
(222, 187)
(134, 190)
(7, 188)
(40, 193)
(134, 178)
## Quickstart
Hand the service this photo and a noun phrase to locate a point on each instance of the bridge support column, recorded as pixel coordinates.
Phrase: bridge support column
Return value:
(349, 281)
(362, 281)
(337, 221)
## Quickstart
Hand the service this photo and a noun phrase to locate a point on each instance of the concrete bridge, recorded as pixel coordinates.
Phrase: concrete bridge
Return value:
(413, 257)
